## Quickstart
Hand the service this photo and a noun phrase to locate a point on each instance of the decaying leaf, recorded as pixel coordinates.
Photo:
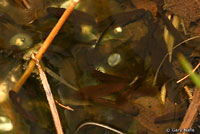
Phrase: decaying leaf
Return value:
(151, 108)
(195, 30)
(168, 37)
(25, 16)
(148, 5)
(189, 10)
(169, 117)
(163, 93)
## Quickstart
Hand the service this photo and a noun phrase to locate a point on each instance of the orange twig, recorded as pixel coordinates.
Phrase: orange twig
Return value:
(26, 4)
(49, 96)
(65, 107)
(45, 45)
(189, 73)
(23, 3)
(188, 92)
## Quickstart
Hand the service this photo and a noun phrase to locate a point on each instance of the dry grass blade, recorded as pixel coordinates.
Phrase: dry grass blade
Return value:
(188, 92)
(191, 111)
(45, 45)
(99, 125)
(197, 66)
(49, 96)
(164, 58)
(57, 77)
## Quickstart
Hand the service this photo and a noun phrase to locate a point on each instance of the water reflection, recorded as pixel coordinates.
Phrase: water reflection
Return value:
(5, 124)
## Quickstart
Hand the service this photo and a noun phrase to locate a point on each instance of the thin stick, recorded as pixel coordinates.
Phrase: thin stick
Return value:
(99, 125)
(57, 77)
(161, 63)
(191, 112)
(197, 66)
(45, 45)
(188, 92)
(63, 106)
(49, 96)
(26, 4)
(23, 3)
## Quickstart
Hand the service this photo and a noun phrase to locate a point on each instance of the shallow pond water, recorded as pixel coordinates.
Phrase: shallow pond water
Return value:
(102, 64)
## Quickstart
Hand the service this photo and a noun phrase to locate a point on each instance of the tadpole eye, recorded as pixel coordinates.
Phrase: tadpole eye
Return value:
(118, 30)
(22, 40)
(114, 59)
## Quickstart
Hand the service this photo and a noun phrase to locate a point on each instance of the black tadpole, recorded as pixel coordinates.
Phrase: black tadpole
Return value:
(103, 33)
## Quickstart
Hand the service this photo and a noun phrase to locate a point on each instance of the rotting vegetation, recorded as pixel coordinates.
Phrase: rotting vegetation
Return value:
(114, 65)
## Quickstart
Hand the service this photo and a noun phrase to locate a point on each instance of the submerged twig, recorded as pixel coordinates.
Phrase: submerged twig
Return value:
(49, 96)
(197, 66)
(65, 107)
(24, 3)
(161, 63)
(99, 125)
(191, 112)
(57, 77)
(45, 45)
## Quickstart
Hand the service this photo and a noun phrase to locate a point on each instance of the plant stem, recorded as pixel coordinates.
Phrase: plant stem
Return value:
(49, 96)
(192, 112)
(45, 45)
